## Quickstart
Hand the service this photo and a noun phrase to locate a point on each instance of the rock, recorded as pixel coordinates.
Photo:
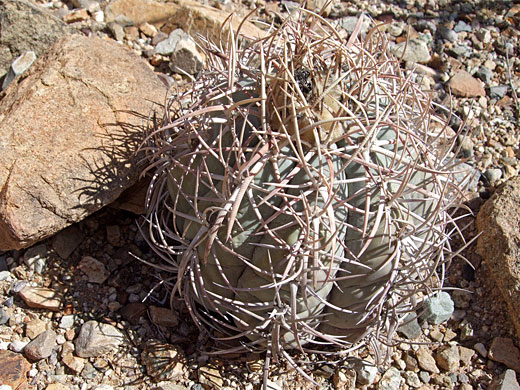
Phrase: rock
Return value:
(67, 240)
(41, 298)
(505, 381)
(466, 354)
(349, 23)
(498, 223)
(484, 74)
(19, 66)
(96, 339)
(117, 31)
(426, 360)
(448, 358)
(168, 45)
(148, 29)
(35, 258)
(67, 321)
(41, 347)
(14, 369)
(35, 327)
(57, 386)
(163, 361)
(481, 349)
(191, 16)
(503, 350)
(76, 364)
(94, 269)
(448, 34)
(410, 327)
(186, 57)
(163, 316)
(498, 91)
(17, 345)
(92, 94)
(412, 379)
(114, 235)
(210, 378)
(344, 379)
(391, 380)
(78, 15)
(26, 27)
(438, 308)
(133, 311)
(366, 372)
(415, 50)
(492, 175)
(465, 85)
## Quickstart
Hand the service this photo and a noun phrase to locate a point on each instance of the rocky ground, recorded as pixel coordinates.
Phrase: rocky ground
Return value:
(78, 311)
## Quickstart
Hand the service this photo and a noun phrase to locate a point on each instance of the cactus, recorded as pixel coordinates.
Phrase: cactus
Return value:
(300, 191)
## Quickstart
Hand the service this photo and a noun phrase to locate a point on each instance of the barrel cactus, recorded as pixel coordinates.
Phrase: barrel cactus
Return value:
(300, 191)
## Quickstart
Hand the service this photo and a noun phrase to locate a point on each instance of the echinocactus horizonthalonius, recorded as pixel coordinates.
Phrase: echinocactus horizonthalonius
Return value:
(300, 191)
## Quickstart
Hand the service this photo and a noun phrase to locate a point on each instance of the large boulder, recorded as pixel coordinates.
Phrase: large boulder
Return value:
(26, 27)
(191, 16)
(69, 129)
(499, 243)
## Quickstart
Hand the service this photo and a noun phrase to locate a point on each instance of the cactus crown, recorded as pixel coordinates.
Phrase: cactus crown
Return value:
(300, 191)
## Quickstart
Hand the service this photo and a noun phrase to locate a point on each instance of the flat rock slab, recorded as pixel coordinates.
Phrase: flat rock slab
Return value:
(191, 16)
(14, 369)
(69, 130)
(498, 222)
(41, 298)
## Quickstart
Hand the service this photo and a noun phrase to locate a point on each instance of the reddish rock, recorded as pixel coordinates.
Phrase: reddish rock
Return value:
(464, 85)
(94, 269)
(133, 311)
(191, 16)
(69, 131)
(163, 316)
(498, 223)
(41, 298)
(14, 369)
(503, 350)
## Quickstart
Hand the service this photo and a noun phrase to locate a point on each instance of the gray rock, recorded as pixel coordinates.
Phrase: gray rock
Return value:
(41, 347)
(481, 349)
(6, 275)
(96, 339)
(90, 5)
(462, 26)
(412, 379)
(484, 74)
(67, 322)
(168, 45)
(35, 258)
(410, 327)
(117, 31)
(415, 51)
(498, 92)
(3, 317)
(349, 24)
(67, 240)
(19, 65)
(448, 34)
(186, 57)
(425, 376)
(505, 381)
(18, 345)
(391, 380)
(492, 175)
(466, 146)
(438, 308)
(159, 38)
(26, 27)
(366, 372)
(425, 24)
